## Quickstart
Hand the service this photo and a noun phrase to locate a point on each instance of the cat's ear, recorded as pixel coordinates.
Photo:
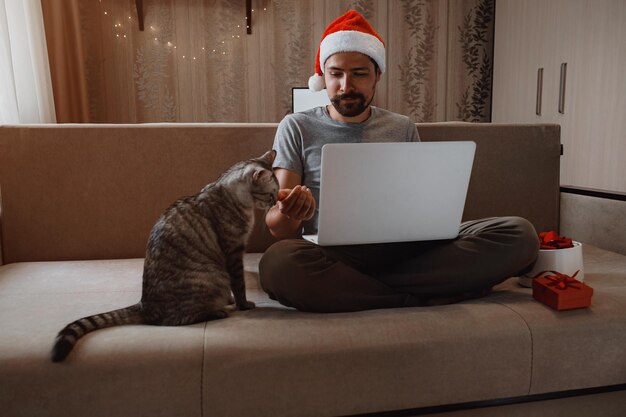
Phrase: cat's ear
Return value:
(261, 175)
(269, 157)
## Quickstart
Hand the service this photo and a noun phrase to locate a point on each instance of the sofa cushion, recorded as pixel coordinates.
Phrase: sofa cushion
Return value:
(255, 357)
(128, 371)
(93, 191)
(276, 361)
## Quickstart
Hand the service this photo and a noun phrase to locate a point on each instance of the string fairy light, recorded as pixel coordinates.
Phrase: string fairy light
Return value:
(120, 35)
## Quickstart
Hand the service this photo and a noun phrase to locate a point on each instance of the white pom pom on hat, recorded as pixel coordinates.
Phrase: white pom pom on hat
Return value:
(350, 32)
(316, 83)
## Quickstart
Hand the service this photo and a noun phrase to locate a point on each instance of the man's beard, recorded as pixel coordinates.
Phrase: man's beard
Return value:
(353, 108)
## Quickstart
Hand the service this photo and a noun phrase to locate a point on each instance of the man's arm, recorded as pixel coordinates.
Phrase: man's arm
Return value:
(295, 204)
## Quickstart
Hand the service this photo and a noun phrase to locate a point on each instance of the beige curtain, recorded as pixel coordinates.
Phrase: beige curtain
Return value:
(195, 63)
(64, 35)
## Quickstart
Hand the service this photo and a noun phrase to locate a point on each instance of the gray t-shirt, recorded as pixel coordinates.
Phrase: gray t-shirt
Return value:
(300, 137)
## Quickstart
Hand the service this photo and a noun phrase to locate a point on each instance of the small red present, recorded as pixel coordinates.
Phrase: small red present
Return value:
(561, 291)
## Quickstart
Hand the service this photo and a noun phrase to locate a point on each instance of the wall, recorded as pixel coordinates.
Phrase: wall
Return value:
(195, 63)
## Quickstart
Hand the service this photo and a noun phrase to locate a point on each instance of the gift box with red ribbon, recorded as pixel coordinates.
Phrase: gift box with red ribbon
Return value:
(556, 253)
(561, 291)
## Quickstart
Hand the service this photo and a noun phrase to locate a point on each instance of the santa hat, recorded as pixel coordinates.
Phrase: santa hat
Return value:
(348, 33)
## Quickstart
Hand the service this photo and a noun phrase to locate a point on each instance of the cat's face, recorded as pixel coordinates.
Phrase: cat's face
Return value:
(263, 182)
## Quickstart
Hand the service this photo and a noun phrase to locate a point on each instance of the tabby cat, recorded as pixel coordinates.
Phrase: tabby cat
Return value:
(194, 256)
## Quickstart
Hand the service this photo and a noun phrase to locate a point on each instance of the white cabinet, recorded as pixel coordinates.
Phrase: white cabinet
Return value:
(589, 36)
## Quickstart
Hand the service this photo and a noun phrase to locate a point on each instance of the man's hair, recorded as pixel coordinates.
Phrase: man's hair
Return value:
(376, 68)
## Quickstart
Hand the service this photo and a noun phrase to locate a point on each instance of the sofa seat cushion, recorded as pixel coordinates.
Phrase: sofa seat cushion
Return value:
(127, 371)
(275, 361)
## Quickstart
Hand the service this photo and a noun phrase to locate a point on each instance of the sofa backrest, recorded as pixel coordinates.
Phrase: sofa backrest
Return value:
(94, 191)
(516, 169)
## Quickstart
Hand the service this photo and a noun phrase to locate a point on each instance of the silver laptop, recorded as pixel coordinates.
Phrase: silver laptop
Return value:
(392, 192)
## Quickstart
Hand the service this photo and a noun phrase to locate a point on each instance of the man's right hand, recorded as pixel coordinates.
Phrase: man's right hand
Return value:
(296, 203)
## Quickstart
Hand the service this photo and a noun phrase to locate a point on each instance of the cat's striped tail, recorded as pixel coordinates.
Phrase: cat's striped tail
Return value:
(67, 338)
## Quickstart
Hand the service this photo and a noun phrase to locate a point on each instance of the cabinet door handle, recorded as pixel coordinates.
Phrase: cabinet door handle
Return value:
(539, 91)
(562, 88)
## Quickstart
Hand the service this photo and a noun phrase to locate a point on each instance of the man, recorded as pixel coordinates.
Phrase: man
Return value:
(297, 273)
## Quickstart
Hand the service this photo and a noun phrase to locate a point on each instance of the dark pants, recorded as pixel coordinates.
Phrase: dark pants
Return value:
(309, 277)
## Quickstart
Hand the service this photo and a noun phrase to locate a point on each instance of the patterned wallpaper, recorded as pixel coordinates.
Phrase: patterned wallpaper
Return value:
(195, 63)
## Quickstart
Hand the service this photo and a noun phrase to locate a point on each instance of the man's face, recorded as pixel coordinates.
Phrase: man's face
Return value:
(350, 82)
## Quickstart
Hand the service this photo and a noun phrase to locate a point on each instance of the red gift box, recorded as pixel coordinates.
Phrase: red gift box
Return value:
(562, 292)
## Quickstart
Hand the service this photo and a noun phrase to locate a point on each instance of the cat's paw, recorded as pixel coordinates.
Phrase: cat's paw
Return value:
(248, 305)
(219, 314)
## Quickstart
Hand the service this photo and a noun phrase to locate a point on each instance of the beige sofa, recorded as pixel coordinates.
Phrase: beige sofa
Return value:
(78, 201)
